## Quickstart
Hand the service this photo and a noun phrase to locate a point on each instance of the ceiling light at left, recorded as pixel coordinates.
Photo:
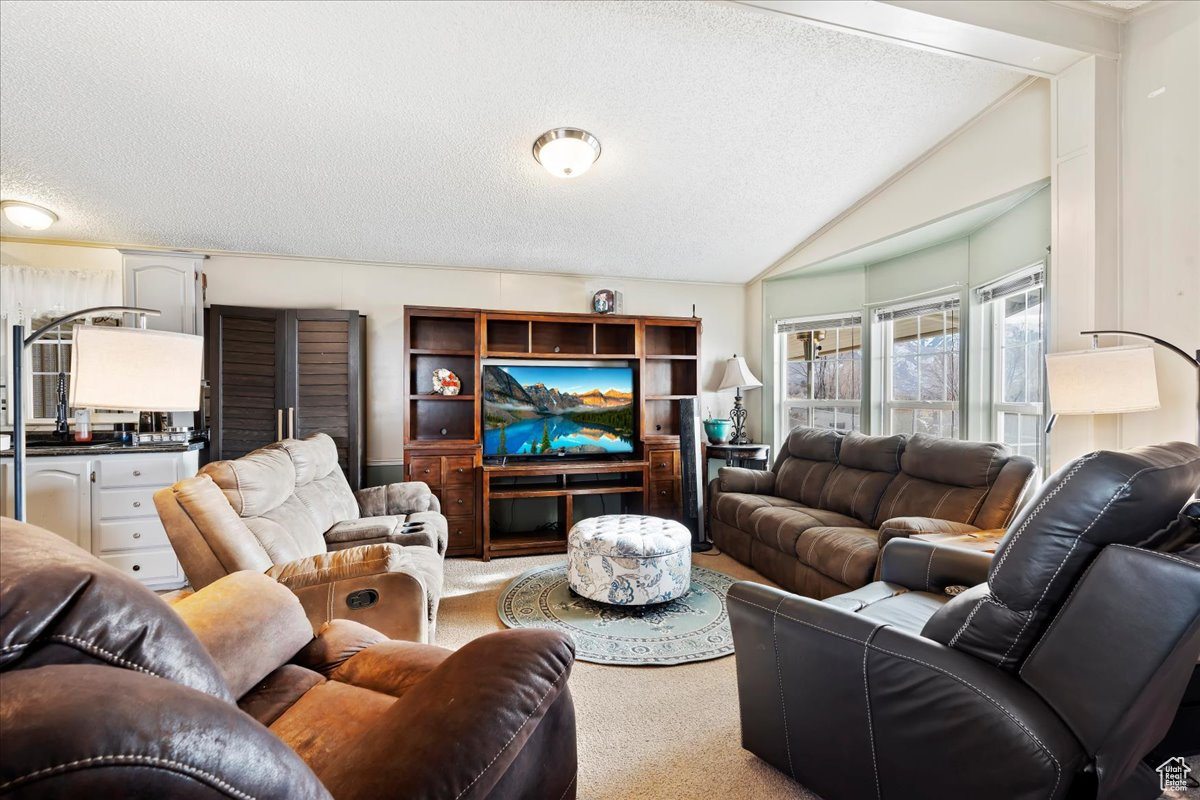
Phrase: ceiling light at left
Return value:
(27, 215)
(566, 152)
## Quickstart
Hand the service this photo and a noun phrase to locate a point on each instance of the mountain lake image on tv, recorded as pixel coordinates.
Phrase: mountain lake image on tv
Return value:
(556, 410)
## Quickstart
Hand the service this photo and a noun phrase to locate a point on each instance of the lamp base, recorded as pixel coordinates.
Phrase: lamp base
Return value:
(738, 416)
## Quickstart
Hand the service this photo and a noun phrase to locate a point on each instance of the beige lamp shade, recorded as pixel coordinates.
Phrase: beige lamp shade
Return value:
(1106, 380)
(738, 375)
(135, 369)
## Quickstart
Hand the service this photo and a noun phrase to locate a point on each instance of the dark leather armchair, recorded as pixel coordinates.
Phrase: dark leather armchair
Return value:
(106, 691)
(1052, 676)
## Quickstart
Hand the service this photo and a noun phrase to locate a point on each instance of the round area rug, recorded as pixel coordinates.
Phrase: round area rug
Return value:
(694, 627)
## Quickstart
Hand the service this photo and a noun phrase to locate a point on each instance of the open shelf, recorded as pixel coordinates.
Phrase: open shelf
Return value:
(554, 491)
(470, 398)
(661, 357)
(417, 351)
(614, 338)
(421, 367)
(669, 378)
(670, 340)
(433, 420)
(442, 334)
(662, 417)
(510, 336)
(574, 338)
(527, 540)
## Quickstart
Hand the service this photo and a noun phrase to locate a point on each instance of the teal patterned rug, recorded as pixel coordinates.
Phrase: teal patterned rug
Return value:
(694, 627)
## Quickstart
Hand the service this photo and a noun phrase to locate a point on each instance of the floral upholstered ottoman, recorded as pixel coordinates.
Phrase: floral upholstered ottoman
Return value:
(629, 560)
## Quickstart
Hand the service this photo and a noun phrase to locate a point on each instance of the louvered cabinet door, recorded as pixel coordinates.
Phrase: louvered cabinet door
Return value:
(246, 363)
(324, 373)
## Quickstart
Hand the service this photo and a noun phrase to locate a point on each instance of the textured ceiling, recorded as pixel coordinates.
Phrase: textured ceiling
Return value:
(402, 131)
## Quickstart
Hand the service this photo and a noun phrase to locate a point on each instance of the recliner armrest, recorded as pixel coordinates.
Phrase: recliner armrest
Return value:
(354, 562)
(748, 481)
(904, 527)
(406, 497)
(927, 567)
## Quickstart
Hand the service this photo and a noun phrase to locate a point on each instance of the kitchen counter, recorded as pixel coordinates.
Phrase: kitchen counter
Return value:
(106, 449)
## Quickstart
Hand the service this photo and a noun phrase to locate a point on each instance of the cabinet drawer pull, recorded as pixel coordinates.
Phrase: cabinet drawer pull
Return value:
(459, 501)
(137, 473)
(662, 492)
(662, 463)
(461, 470)
(137, 567)
(137, 536)
(137, 503)
(427, 470)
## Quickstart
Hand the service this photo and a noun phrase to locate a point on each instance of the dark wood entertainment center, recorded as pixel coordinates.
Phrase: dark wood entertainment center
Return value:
(443, 435)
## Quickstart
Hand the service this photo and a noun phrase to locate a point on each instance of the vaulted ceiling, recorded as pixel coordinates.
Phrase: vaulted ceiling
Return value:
(401, 132)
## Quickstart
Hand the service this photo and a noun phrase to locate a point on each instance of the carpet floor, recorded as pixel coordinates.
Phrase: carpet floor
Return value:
(645, 733)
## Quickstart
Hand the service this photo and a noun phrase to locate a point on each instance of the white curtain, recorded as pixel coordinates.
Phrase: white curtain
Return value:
(27, 293)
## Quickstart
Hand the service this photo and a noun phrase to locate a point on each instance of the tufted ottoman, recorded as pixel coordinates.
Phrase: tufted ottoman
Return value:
(629, 560)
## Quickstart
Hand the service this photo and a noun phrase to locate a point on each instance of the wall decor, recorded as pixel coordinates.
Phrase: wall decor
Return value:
(607, 301)
(446, 382)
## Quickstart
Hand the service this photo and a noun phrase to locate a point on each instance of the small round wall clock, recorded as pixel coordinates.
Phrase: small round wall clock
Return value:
(446, 382)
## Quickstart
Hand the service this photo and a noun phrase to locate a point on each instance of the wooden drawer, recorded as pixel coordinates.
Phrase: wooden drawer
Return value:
(664, 495)
(151, 566)
(128, 471)
(664, 463)
(427, 469)
(461, 533)
(130, 534)
(458, 500)
(127, 503)
(458, 470)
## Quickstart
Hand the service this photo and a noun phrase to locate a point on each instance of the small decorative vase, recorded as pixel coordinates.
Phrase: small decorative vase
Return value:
(717, 430)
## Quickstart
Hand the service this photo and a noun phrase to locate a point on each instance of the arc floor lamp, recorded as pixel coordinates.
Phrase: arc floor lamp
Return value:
(111, 368)
(1110, 380)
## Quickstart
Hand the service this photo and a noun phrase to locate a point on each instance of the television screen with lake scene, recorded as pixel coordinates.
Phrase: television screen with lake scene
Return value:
(553, 410)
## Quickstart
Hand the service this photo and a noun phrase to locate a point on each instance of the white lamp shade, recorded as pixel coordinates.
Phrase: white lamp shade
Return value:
(134, 369)
(1107, 380)
(738, 375)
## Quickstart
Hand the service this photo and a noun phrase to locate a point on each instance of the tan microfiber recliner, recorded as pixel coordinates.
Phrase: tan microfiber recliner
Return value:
(287, 511)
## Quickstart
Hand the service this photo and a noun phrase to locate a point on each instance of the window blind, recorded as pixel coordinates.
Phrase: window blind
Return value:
(903, 312)
(1007, 286)
(805, 325)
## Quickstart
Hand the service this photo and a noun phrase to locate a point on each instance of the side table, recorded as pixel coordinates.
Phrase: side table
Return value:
(755, 456)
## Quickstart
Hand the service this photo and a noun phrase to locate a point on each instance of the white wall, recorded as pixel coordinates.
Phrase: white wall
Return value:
(381, 292)
(1160, 207)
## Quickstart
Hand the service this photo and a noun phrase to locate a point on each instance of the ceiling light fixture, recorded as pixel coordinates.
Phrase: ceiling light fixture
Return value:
(566, 152)
(28, 216)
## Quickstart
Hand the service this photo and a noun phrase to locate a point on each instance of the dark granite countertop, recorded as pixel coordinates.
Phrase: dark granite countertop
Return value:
(106, 449)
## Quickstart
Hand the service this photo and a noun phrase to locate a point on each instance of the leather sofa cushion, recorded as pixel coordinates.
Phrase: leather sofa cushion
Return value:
(953, 461)
(735, 508)
(814, 444)
(1100, 499)
(878, 453)
(802, 479)
(256, 483)
(846, 554)
(908, 612)
(780, 527)
(349, 530)
(854, 492)
(907, 496)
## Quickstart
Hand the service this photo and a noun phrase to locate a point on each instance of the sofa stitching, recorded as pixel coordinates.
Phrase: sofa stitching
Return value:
(519, 728)
(896, 499)
(938, 507)
(793, 619)
(846, 564)
(929, 570)
(857, 492)
(569, 785)
(804, 483)
(981, 693)
(1058, 614)
(1157, 554)
(1037, 509)
(133, 759)
(1046, 589)
(787, 739)
(89, 647)
(870, 722)
(954, 639)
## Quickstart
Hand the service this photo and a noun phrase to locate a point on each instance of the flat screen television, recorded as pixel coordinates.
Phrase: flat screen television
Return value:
(531, 410)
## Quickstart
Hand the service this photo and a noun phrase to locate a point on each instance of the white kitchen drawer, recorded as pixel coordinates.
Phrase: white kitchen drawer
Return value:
(131, 471)
(130, 534)
(150, 566)
(127, 503)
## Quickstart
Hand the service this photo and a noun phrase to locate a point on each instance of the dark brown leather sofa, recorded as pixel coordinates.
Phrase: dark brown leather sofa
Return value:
(816, 521)
(1051, 677)
(106, 691)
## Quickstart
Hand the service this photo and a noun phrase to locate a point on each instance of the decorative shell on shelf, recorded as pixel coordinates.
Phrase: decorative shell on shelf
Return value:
(446, 382)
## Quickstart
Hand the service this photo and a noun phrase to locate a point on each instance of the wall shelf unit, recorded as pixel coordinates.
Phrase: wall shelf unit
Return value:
(523, 508)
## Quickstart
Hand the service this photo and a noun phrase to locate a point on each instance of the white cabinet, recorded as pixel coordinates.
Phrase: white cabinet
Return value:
(172, 283)
(105, 504)
(58, 496)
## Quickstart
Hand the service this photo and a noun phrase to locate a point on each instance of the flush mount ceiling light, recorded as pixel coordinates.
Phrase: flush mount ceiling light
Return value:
(566, 152)
(28, 216)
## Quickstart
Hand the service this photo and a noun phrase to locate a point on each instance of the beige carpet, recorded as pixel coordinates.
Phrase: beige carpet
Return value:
(645, 733)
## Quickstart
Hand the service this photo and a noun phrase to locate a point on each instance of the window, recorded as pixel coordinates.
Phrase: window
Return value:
(820, 369)
(1015, 307)
(922, 367)
(48, 358)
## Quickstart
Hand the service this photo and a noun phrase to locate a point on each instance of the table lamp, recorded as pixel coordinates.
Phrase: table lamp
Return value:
(112, 368)
(738, 376)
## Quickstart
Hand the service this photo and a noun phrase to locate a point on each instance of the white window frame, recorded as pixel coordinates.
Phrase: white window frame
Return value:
(885, 337)
(785, 403)
(991, 297)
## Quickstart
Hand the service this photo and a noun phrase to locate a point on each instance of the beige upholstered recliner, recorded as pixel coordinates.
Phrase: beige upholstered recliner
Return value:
(286, 510)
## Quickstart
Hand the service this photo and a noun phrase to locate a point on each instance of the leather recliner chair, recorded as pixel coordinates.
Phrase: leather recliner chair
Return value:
(105, 691)
(287, 510)
(1051, 677)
